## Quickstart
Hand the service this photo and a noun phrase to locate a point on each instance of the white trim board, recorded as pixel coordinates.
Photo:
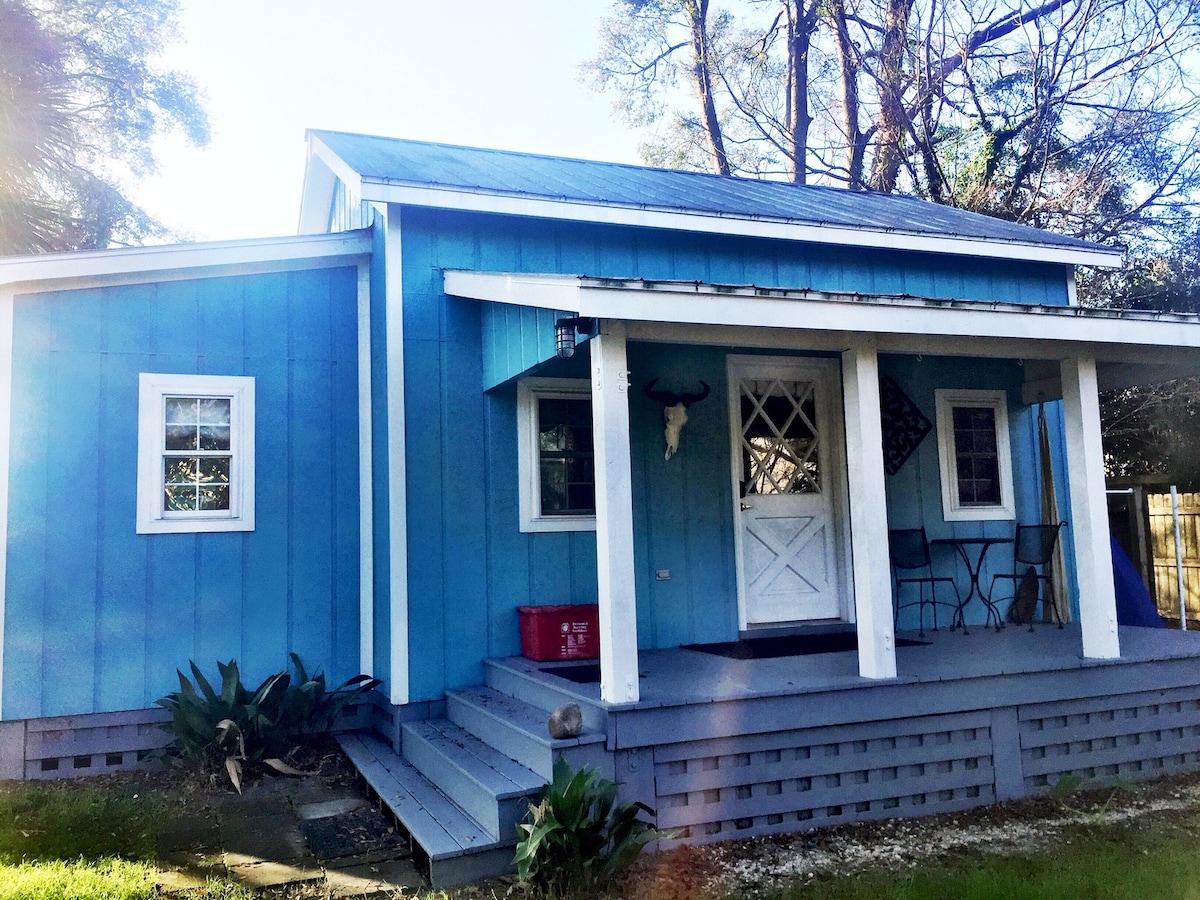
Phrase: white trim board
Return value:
(135, 265)
(6, 363)
(894, 318)
(366, 497)
(397, 464)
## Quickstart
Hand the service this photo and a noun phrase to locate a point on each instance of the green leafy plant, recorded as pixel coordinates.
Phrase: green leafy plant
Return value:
(577, 840)
(235, 725)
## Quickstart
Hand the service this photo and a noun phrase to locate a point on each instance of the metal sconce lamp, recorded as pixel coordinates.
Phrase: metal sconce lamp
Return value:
(564, 334)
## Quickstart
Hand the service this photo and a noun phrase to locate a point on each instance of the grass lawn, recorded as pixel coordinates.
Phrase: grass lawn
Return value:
(1107, 862)
(84, 840)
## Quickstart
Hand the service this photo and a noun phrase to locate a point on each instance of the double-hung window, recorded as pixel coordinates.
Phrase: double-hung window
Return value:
(555, 455)
(195, 453)
(975, 457)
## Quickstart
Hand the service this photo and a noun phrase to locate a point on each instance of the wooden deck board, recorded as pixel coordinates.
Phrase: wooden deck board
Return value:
(440, 827)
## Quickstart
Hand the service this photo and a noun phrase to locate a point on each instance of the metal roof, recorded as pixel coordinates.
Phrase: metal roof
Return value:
(381, 163)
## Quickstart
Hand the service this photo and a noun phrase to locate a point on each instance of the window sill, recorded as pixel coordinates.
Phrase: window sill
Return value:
(557, 523)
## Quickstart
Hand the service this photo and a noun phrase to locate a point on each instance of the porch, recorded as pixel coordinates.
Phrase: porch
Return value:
(727, 748)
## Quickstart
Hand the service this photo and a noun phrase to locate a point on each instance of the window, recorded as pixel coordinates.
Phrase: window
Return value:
(555, 455)
(195, 453)
(976, 461)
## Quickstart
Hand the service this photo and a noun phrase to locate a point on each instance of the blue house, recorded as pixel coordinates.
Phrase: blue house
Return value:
(456, 395)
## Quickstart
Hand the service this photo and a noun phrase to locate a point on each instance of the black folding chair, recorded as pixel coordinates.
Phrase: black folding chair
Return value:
(1032, 551)
(908, 549)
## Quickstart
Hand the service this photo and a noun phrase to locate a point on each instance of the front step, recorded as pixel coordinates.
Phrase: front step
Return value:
(458, 849)
(527, 681)
(493, 789)
(518, 730)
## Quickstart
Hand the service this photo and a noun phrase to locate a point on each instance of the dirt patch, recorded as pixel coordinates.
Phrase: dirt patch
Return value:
(1023, 826)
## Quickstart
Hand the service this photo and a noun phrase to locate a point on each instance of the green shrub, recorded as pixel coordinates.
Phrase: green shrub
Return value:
(576, 841)
(235, 725)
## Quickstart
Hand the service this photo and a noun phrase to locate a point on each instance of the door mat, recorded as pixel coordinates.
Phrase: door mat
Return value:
(791, 645)
(751, 648)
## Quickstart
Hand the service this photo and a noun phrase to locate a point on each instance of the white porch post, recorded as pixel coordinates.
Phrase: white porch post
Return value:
(1089, 511)
(614, 516)
(868, 516)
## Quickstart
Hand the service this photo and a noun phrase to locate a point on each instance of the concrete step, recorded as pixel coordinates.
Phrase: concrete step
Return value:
(456, 848)
(493, 789)
(523, 679)
(518, 730)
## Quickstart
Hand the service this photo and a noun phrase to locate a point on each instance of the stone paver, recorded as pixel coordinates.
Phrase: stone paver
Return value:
(274, 836)
(389, 876)
(264, 874)
(326, 808)
(285, 831)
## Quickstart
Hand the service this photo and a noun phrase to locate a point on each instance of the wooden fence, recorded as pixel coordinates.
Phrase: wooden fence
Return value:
(1162, 543)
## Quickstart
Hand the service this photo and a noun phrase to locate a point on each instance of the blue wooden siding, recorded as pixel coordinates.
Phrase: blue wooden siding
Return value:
(914, 494)
(98, 617)
(470, 567)
(515, 339)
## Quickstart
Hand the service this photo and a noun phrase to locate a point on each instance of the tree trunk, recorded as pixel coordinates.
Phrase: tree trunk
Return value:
(848, 63)
(697, 12)
(802, 23)
(892, 115)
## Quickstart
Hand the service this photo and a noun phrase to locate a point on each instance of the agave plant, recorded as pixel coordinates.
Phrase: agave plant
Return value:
(229, 728)
(577, 840)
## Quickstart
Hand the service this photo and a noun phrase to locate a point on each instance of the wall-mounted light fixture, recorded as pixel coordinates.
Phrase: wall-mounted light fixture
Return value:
(564, 334)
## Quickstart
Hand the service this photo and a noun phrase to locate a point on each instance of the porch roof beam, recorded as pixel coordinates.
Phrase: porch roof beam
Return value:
(902, 324)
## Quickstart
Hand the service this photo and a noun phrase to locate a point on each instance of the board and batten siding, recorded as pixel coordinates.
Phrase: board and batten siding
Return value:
(97, 617)
(470, 567)
(914, 493)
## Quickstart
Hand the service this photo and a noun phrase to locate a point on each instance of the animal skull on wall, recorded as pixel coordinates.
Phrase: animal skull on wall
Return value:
(674, 412)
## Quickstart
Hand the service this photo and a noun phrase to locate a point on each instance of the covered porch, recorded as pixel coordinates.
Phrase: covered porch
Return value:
(1064, 353)
(727, 748)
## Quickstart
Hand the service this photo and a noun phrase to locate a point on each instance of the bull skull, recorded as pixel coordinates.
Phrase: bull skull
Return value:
(674, 412)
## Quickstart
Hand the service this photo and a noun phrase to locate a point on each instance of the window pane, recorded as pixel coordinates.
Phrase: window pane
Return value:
(182, 409)
(781, 452)
(180, 437)
(214, 497)
(213, 437)
(976, 456)
(193, 483)
(566, 467)
(214, 411)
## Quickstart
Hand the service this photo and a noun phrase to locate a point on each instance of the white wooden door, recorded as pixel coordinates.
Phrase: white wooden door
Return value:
(787, 486)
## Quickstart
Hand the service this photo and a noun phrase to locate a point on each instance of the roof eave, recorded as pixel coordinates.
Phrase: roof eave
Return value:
(322, 170)
(133, 264)
(466, 199)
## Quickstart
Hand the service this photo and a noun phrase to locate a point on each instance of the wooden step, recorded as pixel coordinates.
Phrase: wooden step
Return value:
(518, 730)
(492, 788)
(458, 849)
(524, 680)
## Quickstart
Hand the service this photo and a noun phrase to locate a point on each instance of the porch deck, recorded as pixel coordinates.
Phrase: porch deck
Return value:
(732, 748)
(688, 677)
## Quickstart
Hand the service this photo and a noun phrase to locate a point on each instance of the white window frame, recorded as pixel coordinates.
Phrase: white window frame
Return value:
(952, 509)
(154, 388)
(529, 392)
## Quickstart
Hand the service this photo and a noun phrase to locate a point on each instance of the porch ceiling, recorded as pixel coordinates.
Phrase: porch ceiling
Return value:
(1131, 347)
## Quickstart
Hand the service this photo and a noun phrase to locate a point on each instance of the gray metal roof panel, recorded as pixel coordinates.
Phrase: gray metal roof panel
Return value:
(418, 163)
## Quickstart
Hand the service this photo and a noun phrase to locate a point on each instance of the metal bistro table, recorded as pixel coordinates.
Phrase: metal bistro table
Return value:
(980, 546)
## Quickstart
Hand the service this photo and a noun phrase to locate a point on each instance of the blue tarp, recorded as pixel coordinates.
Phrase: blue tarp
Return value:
(1134, 606)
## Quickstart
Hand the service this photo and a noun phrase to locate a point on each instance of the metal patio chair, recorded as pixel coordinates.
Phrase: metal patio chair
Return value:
(908, 549)
(1032, 551)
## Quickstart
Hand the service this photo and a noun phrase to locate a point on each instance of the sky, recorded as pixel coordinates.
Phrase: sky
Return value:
(484, 73)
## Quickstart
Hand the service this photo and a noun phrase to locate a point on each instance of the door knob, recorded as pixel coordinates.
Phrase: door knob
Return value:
(746, 506)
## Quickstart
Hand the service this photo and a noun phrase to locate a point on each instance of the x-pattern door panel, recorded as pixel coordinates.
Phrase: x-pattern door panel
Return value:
(784, 480)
